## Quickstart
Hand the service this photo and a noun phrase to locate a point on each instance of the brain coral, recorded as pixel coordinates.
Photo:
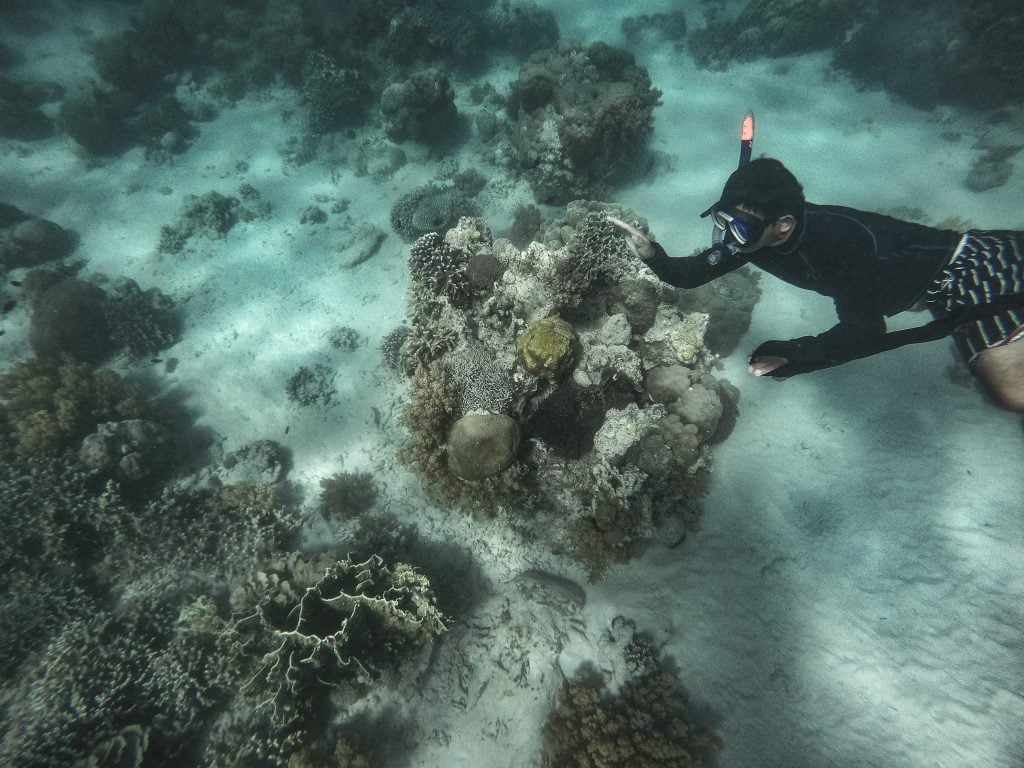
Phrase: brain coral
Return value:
(482, 444)
(546, 347)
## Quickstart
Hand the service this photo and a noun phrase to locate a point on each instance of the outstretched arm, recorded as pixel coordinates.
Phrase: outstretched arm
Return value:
(689, 272)
(638, 242)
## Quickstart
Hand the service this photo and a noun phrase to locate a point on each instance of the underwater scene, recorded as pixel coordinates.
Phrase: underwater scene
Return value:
(421, 383)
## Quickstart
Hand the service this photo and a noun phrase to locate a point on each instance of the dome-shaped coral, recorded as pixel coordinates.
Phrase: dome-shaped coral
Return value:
(482, 444)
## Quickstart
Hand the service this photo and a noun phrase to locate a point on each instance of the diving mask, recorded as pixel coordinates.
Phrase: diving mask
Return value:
(732, 225)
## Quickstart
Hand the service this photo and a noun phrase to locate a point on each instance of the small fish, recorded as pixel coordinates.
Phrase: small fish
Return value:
(9, 305)
(16, 283)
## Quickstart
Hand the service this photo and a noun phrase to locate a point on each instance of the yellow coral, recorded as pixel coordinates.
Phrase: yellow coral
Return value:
(546, 346)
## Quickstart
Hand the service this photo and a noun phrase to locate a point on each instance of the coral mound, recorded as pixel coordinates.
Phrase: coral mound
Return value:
(579, 349)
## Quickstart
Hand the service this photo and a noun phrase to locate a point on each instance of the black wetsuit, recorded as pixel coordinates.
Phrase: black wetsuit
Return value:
(872, 266)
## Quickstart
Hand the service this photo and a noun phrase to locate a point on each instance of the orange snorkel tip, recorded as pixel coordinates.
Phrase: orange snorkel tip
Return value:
(746, 138)
(747, 131)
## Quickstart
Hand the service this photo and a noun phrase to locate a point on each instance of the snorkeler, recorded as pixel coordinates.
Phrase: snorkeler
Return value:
(872, 266)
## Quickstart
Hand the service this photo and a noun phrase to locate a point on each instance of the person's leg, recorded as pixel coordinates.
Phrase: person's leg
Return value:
(1001, 369)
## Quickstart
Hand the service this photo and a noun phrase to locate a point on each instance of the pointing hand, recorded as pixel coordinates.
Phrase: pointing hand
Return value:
(637, 241)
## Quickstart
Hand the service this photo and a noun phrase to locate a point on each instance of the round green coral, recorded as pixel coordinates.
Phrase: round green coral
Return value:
(546, 347)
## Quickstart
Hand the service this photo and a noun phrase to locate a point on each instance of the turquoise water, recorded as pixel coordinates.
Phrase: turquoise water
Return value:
(233, 531)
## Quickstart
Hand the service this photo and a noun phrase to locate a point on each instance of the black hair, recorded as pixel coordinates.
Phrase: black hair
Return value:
(766, 187)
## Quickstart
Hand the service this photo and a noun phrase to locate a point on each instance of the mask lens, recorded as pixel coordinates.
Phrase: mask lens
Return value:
(743, 228)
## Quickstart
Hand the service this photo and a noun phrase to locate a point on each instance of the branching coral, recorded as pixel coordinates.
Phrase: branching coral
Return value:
(440, 268)
(347, 494)
(480, 380)
(644, 724)
(51, 406)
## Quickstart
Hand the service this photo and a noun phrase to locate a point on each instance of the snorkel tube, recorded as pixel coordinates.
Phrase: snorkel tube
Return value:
(719, 248)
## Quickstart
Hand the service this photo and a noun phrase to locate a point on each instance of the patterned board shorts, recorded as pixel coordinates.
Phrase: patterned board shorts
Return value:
(987, 266)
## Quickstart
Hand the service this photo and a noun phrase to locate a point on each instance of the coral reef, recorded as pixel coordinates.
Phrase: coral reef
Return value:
(335, 95)
(211, 215)
(421, 108)
(109, 675)
(27, 241)
(98, 120)
(110, 611)
(669, 26)
(522, 408)
(129, 450)
(142, 322)
(645, 723)
(430, 208)
(481, 445)
(312, 386)
(767, 28)
(69, 318)
(20, 114)
(347, 494)
(971, 54)
(583, 116)
(522, 27)
(53, 405)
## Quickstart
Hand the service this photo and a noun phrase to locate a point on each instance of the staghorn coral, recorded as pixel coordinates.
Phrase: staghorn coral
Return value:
(426, 343)
(430, 414)
(594, 256)
(481, 382)
(391, 348)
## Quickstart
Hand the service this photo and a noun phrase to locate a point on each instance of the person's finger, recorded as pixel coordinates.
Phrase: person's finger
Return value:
(628, 228)
(764, 365)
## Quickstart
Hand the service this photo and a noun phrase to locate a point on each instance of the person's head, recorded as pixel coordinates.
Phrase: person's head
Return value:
(765, 190)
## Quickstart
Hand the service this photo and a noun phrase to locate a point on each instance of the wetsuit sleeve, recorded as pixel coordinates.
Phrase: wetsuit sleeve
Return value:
(858, 334)
(839, 344)
(691, 271)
